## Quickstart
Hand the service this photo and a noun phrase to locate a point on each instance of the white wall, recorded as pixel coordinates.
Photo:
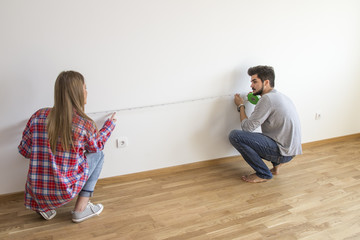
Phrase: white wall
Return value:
(143, 52)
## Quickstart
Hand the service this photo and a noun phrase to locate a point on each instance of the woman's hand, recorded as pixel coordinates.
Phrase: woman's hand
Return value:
(112, 118)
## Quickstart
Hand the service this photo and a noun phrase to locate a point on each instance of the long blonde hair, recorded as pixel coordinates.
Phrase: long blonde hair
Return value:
(68, 96)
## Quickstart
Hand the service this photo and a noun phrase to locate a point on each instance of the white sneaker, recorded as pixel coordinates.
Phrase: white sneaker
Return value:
(48, 215)
(91, 210)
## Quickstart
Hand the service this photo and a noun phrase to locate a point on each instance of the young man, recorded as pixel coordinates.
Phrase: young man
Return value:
(280, 139)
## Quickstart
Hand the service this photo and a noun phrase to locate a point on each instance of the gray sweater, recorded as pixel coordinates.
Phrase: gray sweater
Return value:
(279, 120)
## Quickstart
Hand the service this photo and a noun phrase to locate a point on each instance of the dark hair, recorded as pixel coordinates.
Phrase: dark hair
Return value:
(264, 73)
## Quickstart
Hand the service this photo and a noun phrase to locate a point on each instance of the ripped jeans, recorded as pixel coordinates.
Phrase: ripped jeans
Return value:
(254, 147)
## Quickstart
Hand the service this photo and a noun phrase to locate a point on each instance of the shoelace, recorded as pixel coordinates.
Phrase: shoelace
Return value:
(92, 206)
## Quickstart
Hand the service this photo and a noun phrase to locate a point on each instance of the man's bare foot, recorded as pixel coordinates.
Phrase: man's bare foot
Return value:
(275, 169)
(253, 178)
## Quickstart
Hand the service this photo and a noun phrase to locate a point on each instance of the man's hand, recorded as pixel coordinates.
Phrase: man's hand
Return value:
(238, 100)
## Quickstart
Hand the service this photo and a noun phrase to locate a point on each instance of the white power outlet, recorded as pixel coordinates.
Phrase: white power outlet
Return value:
(121, 142)
(317, 116)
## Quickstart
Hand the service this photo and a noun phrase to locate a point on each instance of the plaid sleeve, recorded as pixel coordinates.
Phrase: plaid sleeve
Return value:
(26, 142)
(97, 140)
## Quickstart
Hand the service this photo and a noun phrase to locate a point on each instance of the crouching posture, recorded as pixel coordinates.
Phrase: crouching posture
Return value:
(280, 139)
(65, 152)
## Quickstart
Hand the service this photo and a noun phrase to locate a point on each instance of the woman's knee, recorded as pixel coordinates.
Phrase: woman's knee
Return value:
(96, 157)
(100, 156)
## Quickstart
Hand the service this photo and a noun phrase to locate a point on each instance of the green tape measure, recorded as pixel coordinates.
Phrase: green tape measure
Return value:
(252, 98)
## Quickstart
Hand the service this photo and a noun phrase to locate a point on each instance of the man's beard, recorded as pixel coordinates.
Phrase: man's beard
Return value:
(260, 91)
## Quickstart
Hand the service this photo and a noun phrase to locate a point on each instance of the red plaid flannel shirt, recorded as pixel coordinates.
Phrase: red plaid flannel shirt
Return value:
(54, 180)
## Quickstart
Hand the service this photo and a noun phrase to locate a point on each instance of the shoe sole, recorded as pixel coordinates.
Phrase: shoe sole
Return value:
(46, 216)
(87, 217)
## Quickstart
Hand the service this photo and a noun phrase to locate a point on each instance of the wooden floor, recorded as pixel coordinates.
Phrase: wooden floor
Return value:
(316, 196)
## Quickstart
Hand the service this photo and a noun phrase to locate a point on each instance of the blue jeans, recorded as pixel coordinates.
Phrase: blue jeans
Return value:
(95, 161)
(254, 147)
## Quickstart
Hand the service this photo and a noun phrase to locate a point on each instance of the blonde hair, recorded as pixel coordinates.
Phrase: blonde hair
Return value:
(68, 96)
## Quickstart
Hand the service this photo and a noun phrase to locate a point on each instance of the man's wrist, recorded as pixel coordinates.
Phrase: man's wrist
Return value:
(239, 106)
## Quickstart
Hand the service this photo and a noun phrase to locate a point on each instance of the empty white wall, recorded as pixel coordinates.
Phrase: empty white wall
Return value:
(143, 52)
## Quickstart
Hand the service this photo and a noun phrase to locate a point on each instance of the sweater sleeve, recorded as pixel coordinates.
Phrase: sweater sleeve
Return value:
(258, 116)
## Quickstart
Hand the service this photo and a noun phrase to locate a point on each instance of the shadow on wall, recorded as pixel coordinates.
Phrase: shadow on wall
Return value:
(13, 166)
(219, 121)
(222, 117)
(12, 134)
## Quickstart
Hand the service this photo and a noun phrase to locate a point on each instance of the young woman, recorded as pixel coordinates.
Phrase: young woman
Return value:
(65, 152)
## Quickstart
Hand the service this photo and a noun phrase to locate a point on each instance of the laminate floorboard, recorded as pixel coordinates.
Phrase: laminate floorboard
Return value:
(316, 196)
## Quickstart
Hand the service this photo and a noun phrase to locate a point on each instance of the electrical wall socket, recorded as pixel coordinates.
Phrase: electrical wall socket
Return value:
(317, 116)
(121, 142)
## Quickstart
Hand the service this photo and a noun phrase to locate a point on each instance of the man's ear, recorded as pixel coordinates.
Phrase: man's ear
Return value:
(267, 82)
